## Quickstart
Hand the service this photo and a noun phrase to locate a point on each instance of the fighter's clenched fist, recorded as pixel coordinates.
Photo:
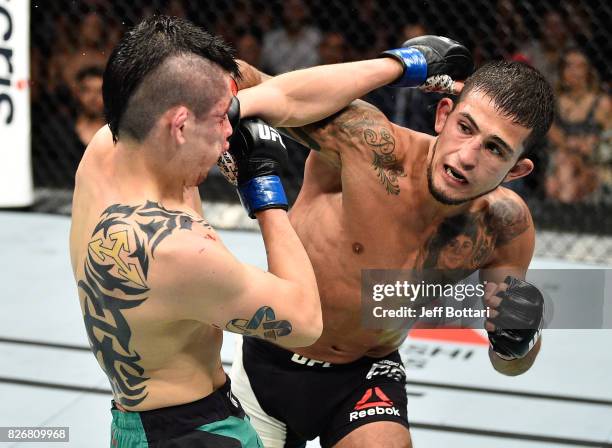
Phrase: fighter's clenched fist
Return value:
(432, 62)
(516, 316)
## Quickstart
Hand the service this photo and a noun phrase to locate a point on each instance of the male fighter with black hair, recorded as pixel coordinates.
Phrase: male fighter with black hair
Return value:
(378, 196)
(372, 205)
(156, 284)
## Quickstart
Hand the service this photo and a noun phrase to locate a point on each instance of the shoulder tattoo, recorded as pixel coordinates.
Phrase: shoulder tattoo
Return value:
(508, 219)
(115, 280)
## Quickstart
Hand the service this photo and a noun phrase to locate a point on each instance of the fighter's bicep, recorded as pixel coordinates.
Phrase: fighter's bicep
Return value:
(212, 286)
(255, 102)
(359, 128)
(515, 240)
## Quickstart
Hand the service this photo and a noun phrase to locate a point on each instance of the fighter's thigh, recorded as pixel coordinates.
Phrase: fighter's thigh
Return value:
(377, 434)
(271, 431)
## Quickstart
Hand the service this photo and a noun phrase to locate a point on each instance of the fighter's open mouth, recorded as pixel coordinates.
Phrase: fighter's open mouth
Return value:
(455, 175)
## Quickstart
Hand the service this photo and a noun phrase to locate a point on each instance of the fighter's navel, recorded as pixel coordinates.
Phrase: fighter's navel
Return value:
(358, 248)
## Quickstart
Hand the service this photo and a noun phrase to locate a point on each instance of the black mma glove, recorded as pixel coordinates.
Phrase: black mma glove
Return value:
(432, 62)
(519, 323)
(233, 113)
(226, 162)
(256, 157)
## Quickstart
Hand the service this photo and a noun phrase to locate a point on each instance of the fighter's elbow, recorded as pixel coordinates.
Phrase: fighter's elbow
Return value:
(307, 321)
(308, 333)
(313, 327)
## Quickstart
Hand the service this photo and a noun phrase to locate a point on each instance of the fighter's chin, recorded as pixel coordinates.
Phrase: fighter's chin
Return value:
(201, 177)
(446, 199)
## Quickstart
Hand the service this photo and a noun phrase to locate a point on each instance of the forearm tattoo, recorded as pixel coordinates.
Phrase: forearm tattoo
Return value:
(120, 250)
(263, 324)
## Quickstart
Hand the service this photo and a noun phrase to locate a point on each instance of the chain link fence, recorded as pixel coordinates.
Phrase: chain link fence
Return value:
(570, 192)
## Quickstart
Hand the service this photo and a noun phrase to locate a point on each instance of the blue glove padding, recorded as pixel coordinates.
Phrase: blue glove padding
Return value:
(261, 193)
(415, 67)
(432, 62)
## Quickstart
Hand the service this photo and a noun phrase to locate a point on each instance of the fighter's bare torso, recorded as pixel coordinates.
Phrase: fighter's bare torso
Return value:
(144, 346)
(367, 207)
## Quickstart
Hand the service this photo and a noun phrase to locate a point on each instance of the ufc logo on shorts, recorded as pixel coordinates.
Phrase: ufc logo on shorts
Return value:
(390, 369)
(267, 133)
(307, 361)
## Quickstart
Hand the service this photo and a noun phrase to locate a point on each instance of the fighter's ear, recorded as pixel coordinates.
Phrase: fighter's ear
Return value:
(445, 107)
(522, 168)
(178, 117)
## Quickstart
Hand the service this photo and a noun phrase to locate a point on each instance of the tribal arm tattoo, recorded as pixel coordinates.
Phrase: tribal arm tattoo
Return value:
(115, 280)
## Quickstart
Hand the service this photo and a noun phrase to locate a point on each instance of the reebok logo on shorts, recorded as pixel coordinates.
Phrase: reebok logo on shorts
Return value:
(373, 402)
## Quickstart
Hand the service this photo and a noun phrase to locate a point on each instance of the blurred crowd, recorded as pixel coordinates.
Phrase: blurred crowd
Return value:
(566, 40)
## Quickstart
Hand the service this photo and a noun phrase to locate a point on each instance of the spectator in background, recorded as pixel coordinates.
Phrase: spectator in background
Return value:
(581, 18)
(294, 45)
(62, 141)
(545, 53)
(245, 17)
(369, 33)
(510, 30)
(583, 114)
(90, 112)
(248, 48)
(333, 48)
(96, 36)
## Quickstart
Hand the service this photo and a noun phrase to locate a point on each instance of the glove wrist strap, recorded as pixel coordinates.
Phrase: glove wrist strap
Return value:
(532, 344)
(262, 193)
(415, 66)
(505, 357)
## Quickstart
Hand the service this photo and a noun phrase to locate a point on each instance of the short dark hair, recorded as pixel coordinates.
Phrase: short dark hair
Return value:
(161, 63)
(519, 92)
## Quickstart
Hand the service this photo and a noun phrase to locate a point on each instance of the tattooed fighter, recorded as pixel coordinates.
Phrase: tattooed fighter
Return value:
(156, 284)
(378, 196)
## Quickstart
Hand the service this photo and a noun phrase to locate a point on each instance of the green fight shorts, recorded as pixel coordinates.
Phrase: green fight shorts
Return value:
(216, 420)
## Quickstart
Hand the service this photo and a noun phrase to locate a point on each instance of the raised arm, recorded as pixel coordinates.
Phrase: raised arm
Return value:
(304, 96)
(207, 283)
(309, 95)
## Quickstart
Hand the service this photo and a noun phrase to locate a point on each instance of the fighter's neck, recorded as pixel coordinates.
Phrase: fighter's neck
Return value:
(139, 175)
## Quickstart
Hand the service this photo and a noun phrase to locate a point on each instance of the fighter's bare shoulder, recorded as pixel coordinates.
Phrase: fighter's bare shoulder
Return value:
(509, 215)
(148, 234)
(510, 220)
(358, 126)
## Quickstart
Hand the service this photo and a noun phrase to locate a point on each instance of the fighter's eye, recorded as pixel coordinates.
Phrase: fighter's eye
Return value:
(464, 128)
(494, 149)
